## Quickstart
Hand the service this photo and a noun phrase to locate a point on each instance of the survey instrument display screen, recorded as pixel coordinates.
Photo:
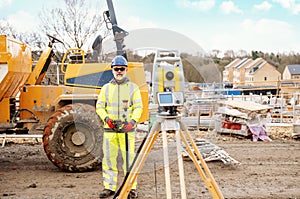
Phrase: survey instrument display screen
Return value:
(165, 99)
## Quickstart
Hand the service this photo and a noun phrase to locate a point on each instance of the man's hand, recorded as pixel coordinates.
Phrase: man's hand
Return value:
(129, 126)
(110, 123)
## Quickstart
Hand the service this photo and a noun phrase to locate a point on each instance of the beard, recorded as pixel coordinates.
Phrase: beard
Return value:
(119, 77)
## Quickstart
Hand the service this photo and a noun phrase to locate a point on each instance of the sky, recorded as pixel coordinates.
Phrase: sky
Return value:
(262, 25)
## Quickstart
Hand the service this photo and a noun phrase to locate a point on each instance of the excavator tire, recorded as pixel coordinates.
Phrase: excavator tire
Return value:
(73, 138)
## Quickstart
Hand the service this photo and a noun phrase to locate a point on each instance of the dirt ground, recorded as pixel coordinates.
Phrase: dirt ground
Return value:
(267, 170)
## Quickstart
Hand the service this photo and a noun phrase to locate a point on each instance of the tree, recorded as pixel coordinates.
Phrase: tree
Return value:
(75, 23)
(215, 53)
(229, 53)
(254, 55)
(7, 29)
(33, 39)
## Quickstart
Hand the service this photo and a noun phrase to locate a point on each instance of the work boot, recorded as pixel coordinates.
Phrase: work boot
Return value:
(133, 194)
(106, 193)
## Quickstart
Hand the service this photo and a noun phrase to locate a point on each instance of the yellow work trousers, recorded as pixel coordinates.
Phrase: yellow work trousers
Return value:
(112, 142)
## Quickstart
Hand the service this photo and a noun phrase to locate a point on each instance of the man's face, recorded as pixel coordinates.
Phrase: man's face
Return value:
(119, 72)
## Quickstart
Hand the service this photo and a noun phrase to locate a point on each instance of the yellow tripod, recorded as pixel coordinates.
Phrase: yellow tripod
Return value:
(163, 124)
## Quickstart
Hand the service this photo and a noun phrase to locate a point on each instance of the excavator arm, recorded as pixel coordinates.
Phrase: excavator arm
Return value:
(119, 33)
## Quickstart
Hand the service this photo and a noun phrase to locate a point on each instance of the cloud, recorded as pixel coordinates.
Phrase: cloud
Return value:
(134, 22)
(291, 5)
(202, 5)
(267, 35)
(22, 21)
(4, 3)
(263, 6)
(285, 3)
(267, 27)
(228, 7)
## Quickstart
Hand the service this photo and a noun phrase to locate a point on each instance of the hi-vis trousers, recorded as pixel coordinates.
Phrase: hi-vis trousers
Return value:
(112, 142)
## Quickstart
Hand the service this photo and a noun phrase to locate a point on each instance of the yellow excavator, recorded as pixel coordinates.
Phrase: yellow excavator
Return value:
(72, 131)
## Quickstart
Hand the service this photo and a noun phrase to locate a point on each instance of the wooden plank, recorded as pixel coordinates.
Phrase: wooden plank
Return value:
(246, 105)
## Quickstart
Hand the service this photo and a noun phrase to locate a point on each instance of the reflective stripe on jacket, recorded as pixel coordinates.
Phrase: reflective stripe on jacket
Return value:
(114, 97)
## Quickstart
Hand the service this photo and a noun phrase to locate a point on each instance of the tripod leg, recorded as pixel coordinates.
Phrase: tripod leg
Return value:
(139, 162)
(166, 165)
(209, 181)
(180, 166)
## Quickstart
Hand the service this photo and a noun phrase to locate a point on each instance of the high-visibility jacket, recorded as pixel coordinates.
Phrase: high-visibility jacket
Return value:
(114, 97)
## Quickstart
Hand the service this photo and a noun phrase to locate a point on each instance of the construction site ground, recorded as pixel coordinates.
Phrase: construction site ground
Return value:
(267, 170)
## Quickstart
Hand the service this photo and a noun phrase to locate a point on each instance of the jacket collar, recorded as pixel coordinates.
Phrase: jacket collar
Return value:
(125, 80)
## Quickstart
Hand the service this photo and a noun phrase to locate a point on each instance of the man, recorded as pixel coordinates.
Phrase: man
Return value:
(119, 100)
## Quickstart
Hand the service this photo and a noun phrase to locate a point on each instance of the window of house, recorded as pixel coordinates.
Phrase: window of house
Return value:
(265, 78)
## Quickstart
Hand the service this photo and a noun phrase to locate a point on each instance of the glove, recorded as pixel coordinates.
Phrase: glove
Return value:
(129, 126)
(110, 123)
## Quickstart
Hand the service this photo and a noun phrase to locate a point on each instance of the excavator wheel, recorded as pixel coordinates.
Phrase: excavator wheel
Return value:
(73, 138)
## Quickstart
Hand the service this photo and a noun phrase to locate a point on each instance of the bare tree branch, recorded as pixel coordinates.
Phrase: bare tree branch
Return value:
(75, 22)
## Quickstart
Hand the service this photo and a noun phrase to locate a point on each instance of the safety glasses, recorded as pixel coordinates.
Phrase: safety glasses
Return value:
(119, 69)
